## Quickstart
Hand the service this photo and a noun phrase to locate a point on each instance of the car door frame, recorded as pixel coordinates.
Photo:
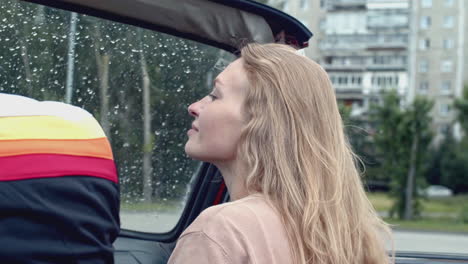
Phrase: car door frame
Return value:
(208, 189)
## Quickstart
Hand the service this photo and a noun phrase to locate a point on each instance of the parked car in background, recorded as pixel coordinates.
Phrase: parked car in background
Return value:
(437, 191)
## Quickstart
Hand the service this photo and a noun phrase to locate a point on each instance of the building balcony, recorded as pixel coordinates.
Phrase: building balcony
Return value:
(387, 41)
(377, 89)
(379, 26)
(342, 48)
(348, 89)
(387, 45)
(331, 45)
(363, 41)
(387, 67)
(349, 94)
(365, 67)
(344, 67)
(340, 4)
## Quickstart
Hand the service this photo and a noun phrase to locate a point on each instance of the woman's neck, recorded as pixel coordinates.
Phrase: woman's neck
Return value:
(234, 176)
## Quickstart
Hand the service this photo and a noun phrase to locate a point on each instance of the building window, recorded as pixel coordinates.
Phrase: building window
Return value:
(444, 109)
(423, 87)
(322, 44)
(404, 59)
(448, 44)
(449, 3)
(424, 44)
(448, 22)
(322, 4)
(423, 66)
(444, 129)
(304, 4)
(426, 3)
(386, 19)
(425, 22)
(446, 87)
(323, 24)
(346, 80)
(385, 81)
(356, 80)
(342, 80)
(446, 66)
(378, 59)
(388, 60)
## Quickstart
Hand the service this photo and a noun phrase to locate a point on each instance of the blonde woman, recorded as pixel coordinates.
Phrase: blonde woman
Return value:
(272, 127)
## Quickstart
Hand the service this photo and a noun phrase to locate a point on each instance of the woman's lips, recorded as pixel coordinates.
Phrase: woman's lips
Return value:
(192, 130)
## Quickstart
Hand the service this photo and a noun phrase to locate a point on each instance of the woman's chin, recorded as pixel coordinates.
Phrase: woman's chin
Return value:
(191, 151)
(188, 150)
(197, 152)
(195, 155)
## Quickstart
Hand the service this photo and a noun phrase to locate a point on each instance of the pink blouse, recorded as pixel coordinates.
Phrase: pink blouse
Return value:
(248, 230)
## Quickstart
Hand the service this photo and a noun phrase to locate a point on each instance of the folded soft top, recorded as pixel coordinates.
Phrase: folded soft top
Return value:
(224, 24)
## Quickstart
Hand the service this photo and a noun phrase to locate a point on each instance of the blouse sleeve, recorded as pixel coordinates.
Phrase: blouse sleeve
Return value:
(198, 248)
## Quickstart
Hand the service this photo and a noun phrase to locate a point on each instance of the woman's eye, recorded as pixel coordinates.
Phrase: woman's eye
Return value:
(213, 97)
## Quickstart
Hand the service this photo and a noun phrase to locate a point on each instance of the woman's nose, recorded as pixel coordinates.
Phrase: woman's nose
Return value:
(193, 109)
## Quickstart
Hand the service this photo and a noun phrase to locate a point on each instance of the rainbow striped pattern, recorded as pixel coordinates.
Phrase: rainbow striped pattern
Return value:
(51, 139)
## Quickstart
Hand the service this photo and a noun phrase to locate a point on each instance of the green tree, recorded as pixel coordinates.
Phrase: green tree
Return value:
(402, 139)
(454, 160)
(454, 164)
(421, 136)
(391, 140)
(461, 106)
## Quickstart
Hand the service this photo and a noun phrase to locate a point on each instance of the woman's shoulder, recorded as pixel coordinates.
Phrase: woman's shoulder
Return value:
(248, 230)
(251, 206)
(241, 214)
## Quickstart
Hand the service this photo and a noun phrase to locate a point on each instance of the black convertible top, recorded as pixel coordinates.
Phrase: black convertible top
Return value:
(220, 23)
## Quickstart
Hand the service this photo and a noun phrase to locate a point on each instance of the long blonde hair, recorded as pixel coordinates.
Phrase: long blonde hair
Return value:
(298, 156)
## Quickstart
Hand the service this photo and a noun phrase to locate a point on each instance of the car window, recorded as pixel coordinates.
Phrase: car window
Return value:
(137, 83)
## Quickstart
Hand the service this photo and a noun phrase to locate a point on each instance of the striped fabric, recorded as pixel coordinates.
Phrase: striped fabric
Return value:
(51, 139)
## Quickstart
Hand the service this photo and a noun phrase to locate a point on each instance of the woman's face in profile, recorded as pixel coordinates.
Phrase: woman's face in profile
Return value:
(218, 122)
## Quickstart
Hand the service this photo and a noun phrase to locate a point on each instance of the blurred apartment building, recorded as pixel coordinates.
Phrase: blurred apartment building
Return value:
(415, 47)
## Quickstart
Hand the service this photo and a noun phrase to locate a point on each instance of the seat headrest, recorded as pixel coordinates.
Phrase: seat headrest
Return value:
(55, 139)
